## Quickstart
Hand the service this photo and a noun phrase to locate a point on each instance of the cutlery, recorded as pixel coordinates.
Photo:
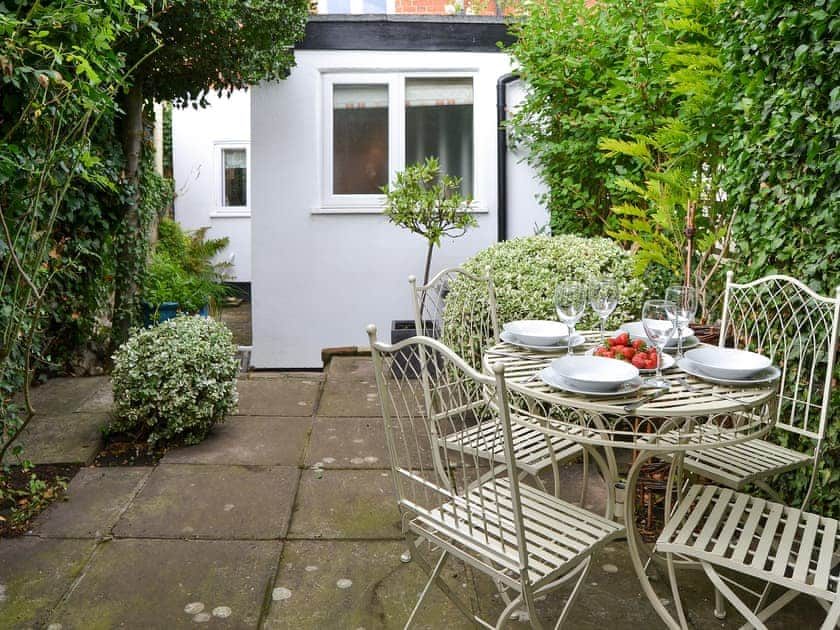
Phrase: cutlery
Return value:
(510, 355)
(684, 382)
(644, 400)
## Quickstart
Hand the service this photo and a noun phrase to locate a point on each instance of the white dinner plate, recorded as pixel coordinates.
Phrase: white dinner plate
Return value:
(765, 377)
(667, 362)
(551, 378)
(577, 340)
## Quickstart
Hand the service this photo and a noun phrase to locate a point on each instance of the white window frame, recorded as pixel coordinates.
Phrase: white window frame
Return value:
(357, 6)
(221, 210)
(395, 80)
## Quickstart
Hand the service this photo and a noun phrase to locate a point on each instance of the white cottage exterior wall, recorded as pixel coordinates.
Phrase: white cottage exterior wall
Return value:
(197, 138)
(318, 278)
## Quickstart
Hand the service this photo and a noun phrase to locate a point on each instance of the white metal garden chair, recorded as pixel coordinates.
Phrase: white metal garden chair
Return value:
(470, 507)
(780, 317)
(780, 545)
(472, 326)
(783, 319)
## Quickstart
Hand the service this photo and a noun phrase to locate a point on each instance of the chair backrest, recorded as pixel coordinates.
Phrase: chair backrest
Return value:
(471, 325)
(782, 318)
(434, 482)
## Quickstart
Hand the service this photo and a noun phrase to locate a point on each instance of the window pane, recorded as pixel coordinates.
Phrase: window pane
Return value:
(235, 164)
(374, 6)
(360, 139)
(338, 6)
(439, 122)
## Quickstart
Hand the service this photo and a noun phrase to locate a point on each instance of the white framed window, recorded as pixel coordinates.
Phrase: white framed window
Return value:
(375, 124)
(356, 6)
(232, 165)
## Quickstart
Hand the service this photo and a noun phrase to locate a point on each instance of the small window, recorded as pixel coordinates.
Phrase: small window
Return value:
(356, 6)
(439, 122)
(234, 178)
(360, 139)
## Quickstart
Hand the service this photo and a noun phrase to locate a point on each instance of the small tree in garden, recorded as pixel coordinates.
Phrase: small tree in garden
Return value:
(428, 204)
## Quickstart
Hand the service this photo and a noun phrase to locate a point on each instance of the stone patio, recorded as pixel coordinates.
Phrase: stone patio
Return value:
(283, 518)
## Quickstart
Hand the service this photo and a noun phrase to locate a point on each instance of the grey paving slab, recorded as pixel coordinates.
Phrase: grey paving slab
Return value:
(253, 441)
(209, 501)
(34, 574)
(152, 584)
(100, 401)
(59, 396)
(94, 500)
(350, 585)
(358, 369)
(349, 398)
(345, 504)
(348, 443)
(65, 439)
(278, 396)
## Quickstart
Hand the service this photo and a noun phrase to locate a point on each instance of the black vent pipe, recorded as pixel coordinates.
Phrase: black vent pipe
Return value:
(501, 152)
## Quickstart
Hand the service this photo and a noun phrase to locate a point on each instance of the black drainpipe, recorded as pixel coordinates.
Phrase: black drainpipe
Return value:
(501, 152)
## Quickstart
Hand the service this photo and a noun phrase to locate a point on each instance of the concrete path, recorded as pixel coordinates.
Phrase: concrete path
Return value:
(283, 518)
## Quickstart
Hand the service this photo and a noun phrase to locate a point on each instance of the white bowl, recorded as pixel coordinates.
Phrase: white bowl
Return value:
(636, 330)
(727, 362)
(537, 332)
(596, 374)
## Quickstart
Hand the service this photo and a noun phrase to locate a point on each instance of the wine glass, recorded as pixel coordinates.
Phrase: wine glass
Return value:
(603, 298)
(659, 325)
(570, 302)
(685, 301)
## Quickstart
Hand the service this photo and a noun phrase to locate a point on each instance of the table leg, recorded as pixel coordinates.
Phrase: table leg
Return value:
(633, 543)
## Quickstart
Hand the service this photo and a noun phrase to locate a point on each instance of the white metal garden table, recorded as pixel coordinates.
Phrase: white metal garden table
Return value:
(692, 415)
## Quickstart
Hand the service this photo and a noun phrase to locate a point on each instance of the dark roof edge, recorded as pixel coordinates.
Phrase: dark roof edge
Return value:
(456, 33)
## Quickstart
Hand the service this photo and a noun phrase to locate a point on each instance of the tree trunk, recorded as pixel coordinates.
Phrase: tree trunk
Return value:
(126, 288)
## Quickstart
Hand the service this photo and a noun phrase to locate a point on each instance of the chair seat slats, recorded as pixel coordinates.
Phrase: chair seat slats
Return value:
(532, 449)
(736, 465)
(789, 547)
(558, 533)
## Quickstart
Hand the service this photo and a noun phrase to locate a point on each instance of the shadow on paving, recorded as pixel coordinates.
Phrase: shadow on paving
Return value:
(284, 518)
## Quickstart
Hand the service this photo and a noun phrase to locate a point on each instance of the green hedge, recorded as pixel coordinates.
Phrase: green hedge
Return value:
(525, 272)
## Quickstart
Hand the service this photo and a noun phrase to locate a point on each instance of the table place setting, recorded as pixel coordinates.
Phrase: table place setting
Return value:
(592, 376)
(727, 366)
(540, 335)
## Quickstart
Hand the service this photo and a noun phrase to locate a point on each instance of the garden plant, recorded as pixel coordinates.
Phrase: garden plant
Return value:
(525, 272)
(174, 381)
(428, 204)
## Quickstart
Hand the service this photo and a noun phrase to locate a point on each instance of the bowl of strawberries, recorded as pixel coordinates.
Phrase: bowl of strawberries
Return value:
(637, 352)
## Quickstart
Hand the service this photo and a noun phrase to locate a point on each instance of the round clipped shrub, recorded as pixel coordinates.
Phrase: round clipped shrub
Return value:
(173, 382)
(525, 272)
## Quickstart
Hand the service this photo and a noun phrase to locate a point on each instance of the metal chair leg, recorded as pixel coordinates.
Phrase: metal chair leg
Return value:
(723, 588)
(443, 586)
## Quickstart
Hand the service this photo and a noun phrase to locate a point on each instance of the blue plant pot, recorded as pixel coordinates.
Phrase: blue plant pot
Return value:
(154, 314)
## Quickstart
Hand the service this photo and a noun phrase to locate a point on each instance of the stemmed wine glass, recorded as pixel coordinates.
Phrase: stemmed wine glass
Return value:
(685, 302)
(570, 302)
(659, 325)
(603, 298)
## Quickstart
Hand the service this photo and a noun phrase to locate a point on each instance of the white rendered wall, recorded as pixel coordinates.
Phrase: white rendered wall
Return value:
(197, 136)
(525, 215)
(319, 278)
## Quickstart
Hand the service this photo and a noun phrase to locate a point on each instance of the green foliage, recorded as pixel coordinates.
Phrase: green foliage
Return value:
(677, 193)
(593, 70)
(194, 46)
(783, 162)
(60, 73)
(174, 381)
(182, 269)
(428, 204)
(525, 272)
(30, 500)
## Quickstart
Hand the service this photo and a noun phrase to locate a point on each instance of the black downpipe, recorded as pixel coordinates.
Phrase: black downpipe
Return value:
(501, 152)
